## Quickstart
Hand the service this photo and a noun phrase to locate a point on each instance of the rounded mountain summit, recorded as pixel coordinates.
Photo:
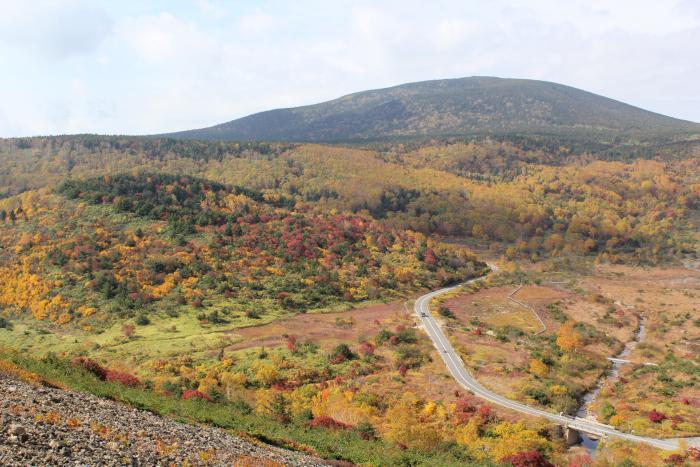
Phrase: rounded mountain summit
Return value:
(448, 107)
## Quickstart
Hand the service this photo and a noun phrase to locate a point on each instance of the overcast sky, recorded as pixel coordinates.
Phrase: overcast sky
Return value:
(138, 67)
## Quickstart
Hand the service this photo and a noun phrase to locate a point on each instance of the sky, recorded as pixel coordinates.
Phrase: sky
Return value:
(149, 66)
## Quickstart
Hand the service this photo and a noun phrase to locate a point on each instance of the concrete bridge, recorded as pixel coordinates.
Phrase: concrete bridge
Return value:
(622, 360)
(574, 428)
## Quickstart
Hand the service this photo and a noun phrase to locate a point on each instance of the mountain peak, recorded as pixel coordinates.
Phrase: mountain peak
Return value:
(446, 107)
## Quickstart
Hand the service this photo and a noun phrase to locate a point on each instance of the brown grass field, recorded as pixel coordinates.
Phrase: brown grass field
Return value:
(670, 301)
(326, 329)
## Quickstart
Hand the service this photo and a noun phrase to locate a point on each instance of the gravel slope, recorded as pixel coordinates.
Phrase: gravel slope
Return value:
(46, 426)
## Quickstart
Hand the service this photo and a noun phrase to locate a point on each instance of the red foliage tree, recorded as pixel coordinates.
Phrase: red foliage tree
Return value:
(675, 459)
(464, 410)
(486, 412)
(194, 394)
(656, 416)
(581, 460)
(366, 349)
(694, 454)
(292, 343)
(283, 385)
(324, 421)
(429, 257)
(527, 459)
(91, 366)
(338, 359)
(105, 374)
(125, 379)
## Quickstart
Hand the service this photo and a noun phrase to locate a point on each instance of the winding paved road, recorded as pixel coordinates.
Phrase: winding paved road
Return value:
(456, 367)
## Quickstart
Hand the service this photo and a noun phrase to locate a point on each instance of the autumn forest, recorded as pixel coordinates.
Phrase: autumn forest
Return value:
(267, 288)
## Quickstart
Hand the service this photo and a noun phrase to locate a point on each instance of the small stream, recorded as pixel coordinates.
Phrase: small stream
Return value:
(583, 412)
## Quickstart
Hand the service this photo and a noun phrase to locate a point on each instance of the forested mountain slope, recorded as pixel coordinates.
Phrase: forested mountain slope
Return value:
(532, 199)
(447, 107)
(123, 244)
(488, 192)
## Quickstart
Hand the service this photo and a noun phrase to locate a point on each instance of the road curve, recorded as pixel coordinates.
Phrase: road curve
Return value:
(456, 367)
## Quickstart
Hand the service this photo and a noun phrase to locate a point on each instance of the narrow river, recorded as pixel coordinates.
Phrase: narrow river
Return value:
(589, 443)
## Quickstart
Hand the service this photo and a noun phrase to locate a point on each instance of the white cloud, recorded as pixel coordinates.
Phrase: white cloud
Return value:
(165, 39)
(211, 9)
(55, 29)
(257, 23)
(449, 33)
(147, 68)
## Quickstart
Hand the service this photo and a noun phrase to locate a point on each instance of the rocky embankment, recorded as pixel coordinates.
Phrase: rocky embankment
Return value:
(46, 426)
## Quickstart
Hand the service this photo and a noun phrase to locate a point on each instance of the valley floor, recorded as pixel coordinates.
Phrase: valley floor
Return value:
(655, 392)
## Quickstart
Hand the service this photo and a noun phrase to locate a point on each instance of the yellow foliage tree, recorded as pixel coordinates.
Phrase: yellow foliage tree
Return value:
(538, 368)
(208, 385)
(87, 311)
(340, 405)
(265, 373)
(232, 382)
(63, 318)
(568, 339)
(616, 420)
(513, 438)
(300, 400)
(273, 404)
(263, 402)
(468, 435)
(406, 425)
(558, 390)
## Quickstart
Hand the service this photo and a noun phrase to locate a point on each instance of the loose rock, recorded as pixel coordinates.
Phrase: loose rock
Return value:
(85, 430)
